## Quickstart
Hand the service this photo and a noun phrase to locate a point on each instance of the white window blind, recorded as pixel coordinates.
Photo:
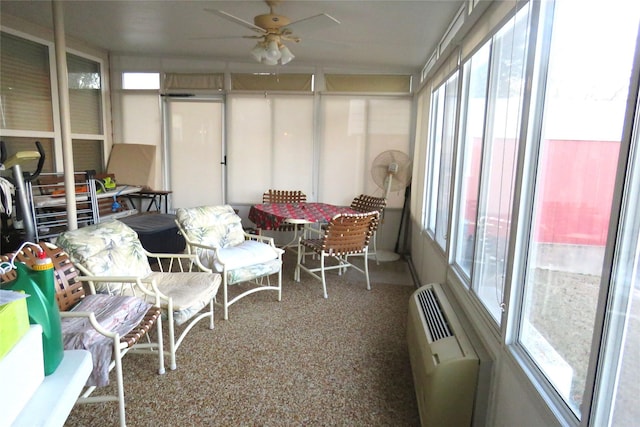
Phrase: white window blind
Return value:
(269, 145)
(355, 131)
(25, 85)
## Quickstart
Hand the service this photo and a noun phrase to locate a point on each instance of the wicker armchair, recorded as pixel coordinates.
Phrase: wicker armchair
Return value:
(346, 235)
(98, 319)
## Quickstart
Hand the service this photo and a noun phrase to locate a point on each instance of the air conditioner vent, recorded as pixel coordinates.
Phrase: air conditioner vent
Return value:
(432, 312)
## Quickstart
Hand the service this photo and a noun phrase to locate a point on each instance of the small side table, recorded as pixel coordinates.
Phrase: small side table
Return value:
(155, 197)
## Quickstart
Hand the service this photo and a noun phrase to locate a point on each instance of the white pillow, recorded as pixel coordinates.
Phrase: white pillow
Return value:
(249, 252)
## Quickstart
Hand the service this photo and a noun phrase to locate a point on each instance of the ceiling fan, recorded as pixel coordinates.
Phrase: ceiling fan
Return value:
(273, 30)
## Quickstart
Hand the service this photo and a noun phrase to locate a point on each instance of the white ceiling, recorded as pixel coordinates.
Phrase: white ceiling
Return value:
(389, 34)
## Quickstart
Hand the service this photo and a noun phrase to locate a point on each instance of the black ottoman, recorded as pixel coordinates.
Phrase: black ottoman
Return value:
(158, 233)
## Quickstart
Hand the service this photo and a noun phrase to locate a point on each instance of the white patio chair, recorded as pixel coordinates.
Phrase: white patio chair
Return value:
(113, 249)
(215, 235)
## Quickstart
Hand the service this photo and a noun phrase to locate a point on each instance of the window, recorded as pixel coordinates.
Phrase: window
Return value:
(433, 158)
(25, 85)
(85, 101)
(141, 81)
(16, 144)
(580, 130)
(618, 369)
(444, 123)
(504, 114)
(85, 96)
(476, 74)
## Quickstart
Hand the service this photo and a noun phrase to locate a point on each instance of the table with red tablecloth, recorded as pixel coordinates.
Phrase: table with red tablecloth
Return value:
(269, 216)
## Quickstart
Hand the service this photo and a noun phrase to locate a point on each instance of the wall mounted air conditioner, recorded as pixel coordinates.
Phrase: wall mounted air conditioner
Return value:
(445, 366)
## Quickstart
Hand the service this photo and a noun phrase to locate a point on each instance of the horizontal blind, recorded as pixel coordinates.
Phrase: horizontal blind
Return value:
(87, 155)
(16, 144)
(204, 81)
(85, 98)
(375, 83)
(272, 82)
(25, 85)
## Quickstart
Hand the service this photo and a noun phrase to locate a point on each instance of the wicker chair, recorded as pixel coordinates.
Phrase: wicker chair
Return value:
(346, 235)
(364, 203)
(71, 294)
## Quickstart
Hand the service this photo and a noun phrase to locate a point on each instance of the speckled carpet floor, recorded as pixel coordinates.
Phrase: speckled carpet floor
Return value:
(305, 360)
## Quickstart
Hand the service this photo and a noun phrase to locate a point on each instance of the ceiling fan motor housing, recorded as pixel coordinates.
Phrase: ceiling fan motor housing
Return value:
(271, 22)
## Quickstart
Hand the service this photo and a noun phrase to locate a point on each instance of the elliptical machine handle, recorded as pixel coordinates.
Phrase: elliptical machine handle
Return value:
(3, 152)
(28, 177)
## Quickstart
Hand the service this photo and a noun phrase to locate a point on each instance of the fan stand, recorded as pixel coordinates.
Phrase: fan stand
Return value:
(384, 255)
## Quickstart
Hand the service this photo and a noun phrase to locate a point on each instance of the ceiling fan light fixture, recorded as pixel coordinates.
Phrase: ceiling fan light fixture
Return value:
(285, 55)
(268, 61)
(258, 52)
(272, 52)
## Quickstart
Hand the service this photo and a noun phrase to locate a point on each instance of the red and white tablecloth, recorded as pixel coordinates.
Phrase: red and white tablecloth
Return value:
(269, 216)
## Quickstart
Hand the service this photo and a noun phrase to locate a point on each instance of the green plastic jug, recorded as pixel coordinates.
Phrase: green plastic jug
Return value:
(42, 307)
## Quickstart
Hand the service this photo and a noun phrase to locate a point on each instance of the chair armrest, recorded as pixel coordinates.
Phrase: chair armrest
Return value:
(196, 258)
(134, 281)
(94, 323)
(260, 238)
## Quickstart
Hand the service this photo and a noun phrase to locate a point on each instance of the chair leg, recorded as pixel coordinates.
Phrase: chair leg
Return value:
(296, 272)
(280, 283)
(375, 246)
(161, 370)
(366, 267)
(324, 282)
(172, 337)
(119, 384)
(225, 296)
(211, 304)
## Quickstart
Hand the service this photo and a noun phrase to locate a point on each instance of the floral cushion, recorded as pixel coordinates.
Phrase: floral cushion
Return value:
(215, 226)
(106, 249)
(251, 272)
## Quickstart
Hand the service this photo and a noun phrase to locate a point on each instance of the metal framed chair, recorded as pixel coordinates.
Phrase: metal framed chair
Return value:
(346, 235)
(214, 235)
(109, 326)
(287, 196)
(113, 251)
(364, 203)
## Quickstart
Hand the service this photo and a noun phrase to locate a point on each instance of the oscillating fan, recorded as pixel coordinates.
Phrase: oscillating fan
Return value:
(391, 171)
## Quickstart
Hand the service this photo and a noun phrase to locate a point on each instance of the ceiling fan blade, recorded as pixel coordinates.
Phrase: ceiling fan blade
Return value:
(237, 20)
(312, 23)
(221, 37)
